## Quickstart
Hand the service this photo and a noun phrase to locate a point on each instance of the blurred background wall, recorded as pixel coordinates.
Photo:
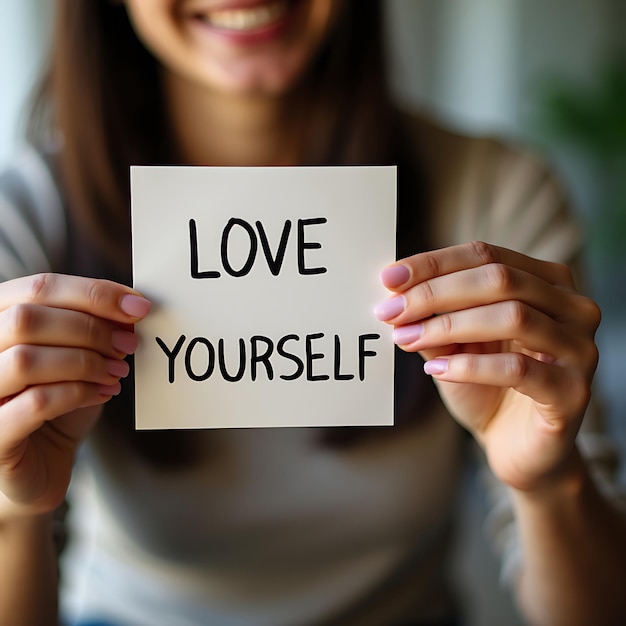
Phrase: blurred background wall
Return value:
(546, 72)
(24, 35)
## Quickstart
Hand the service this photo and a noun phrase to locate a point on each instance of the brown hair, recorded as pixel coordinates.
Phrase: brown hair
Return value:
(102, 91)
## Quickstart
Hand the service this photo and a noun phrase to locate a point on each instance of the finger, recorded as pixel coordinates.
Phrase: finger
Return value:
(25, 366)
(34, 324)
(549, 385)
(29, 410)
(489, 284)
(503, 321)
(428, 265)
(101, 298)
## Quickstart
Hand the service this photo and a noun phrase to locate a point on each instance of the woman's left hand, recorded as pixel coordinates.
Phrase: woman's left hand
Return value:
(510, 344)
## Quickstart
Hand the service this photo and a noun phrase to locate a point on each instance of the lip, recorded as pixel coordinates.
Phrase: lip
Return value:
(222, 5)
(249, 36)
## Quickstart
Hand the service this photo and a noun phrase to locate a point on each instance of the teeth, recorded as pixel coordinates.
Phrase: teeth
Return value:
(248, 18)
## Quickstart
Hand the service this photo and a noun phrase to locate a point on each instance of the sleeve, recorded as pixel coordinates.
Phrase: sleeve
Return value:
(33, 230)
(511, 198)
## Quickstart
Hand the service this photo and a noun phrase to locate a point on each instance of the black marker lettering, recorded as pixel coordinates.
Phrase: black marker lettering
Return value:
(274, 263)
(365, 353)
(247, 266)
(210, 359)
(256, 358)
(242, 362)
(280, 348)
(337, 368)
(193, 254)
(311, 356)
(171, 355)
(307, 245)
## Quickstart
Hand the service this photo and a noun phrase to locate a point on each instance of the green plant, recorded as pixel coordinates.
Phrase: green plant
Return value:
(591, 121)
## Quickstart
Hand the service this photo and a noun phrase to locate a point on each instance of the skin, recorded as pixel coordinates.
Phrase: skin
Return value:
(510, 344)
(63, 341)
(515, 341)
(510, 337)
(204, 57)
(241, 87)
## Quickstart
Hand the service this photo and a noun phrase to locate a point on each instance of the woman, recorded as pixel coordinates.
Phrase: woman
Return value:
(285, 526)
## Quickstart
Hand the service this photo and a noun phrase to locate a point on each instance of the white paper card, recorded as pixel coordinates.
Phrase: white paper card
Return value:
(263, 283)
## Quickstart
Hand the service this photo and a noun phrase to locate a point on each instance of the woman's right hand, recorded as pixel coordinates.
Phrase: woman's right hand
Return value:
(63, 340)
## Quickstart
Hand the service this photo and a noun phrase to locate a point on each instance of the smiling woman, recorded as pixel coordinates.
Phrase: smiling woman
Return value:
(278, 527)
(236, 46)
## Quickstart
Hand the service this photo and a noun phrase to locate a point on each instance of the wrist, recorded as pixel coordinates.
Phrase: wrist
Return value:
(13, 516)
(566, 483)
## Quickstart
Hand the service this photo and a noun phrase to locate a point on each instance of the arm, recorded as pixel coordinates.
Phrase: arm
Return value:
(28, 576)
(510, 343)
(49, 342)
(63, 340)
(572, 539)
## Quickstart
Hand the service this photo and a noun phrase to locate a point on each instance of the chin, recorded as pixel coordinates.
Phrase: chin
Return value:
(261, 80)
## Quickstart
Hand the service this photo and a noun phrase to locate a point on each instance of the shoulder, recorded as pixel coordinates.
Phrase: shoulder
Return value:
(32, 215)
(494, 189)
(446, 153)
(28, 172)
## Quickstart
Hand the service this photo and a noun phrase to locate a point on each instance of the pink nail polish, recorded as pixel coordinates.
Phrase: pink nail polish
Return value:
(135, 306)
(395, 276)
(118, 368)
(109, 390)
(436, 366)
(123, 341)
(404, 335)
(390, 308)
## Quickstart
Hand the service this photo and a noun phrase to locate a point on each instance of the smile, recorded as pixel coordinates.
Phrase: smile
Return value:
(244, 19)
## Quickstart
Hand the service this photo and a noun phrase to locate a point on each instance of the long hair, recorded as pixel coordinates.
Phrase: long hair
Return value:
(90, 96)
(102, 94)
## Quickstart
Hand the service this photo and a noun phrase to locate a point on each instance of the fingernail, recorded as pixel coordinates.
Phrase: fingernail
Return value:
(395, 276)
(135, 306)
(436, 366)
(124, 341)
(118, 368)
(407, 334)
(109, 390)
(390, 308)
